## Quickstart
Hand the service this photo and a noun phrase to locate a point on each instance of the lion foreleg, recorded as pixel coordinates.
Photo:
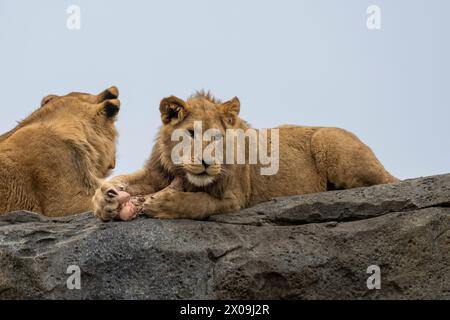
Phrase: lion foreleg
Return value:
(173, 204)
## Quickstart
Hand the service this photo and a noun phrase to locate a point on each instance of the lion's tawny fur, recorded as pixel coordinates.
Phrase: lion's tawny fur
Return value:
(54, 160)
(312, 159)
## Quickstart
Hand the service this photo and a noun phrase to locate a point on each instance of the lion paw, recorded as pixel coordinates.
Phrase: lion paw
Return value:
(111, 202)
(161, 205)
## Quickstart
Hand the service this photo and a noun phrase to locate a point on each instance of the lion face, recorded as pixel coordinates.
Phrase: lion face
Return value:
(201, 122)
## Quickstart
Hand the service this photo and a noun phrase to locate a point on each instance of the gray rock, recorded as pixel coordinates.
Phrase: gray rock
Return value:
(303, 247)
(347, 205)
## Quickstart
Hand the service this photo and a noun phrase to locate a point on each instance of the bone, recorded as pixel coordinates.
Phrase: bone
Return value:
(128, 212)
(135, 206)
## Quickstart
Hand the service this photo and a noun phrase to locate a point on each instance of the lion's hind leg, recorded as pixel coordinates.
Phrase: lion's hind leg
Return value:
(345, 162)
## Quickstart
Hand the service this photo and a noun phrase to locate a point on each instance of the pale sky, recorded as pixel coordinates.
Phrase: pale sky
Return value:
(299, 62)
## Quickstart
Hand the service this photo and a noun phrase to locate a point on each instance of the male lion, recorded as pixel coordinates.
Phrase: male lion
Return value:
(53, 161)
(311, 159)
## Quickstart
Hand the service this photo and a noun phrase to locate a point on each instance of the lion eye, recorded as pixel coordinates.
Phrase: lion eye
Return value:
(217, 137)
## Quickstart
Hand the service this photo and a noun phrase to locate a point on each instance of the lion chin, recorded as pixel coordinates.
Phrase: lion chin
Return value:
(200, 180)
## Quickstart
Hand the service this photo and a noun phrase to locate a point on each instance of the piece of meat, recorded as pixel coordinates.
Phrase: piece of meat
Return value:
(134, 207)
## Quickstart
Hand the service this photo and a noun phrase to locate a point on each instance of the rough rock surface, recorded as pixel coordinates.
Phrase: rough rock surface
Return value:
(315, 246)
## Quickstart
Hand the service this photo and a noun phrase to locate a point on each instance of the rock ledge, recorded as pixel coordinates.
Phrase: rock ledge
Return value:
(316, 246)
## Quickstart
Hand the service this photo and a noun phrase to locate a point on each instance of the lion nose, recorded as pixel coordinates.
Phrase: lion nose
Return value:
(206, 165)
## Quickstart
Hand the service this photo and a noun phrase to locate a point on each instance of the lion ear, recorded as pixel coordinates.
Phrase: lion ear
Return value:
(231, 110)
(108, 94)
(47, 99)
(173, 110)
(109, 108)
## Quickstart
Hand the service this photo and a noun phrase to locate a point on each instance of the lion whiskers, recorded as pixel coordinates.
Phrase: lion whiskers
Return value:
(200, 176)
(195, 168)
(214, 170)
